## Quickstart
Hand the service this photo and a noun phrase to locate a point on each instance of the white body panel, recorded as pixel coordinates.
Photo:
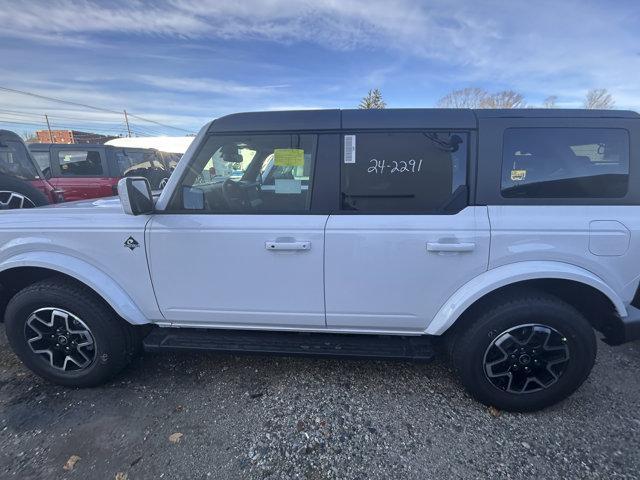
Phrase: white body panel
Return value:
(221, 270)
(381, 275)
(86, 241)
(604, 240)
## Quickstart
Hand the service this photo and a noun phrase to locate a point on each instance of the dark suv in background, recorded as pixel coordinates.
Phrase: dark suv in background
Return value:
(83, 171)
(22, 184)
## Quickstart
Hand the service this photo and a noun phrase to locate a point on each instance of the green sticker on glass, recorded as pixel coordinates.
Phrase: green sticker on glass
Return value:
(288, 157)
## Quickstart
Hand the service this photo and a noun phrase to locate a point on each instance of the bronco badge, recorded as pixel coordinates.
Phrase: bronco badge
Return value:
(131, 243)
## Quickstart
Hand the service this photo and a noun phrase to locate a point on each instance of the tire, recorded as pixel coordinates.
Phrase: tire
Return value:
(102, 353)
(13, 191)
(562, 345)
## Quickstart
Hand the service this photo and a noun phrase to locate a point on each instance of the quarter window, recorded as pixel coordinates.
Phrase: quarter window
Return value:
(565, 163)
(404, 172)
(80, 163)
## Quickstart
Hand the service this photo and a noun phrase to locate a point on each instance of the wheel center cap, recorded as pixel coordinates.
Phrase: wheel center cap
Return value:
(525, 359)
(62, 340)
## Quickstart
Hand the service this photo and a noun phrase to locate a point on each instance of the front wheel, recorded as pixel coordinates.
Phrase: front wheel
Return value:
(525, 353)
(65, 334)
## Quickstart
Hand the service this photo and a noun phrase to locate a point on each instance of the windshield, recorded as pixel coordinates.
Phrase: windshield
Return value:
(15, 161)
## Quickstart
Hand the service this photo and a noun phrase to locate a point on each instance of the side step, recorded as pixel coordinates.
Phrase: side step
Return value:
(290, 343)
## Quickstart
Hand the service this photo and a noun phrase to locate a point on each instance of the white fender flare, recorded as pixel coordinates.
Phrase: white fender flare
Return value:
(508, 274)
(85, 273)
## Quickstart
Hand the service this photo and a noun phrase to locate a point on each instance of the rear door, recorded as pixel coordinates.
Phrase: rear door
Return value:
(405, 238)
(80, 173)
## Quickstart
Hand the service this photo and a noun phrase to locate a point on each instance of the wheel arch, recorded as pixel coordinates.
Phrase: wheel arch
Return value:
(23, 269)
(579, 287)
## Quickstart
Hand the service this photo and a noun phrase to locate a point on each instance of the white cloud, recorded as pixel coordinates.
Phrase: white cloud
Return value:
(206, 85)
(541, 48)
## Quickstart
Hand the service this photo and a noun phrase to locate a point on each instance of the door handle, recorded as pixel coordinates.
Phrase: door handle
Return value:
(287, 245)
(450, 247)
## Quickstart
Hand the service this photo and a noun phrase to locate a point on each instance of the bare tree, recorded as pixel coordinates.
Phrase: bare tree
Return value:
(373, 100)
(599, 98)
(29, 137)
(470, 97)
(505, 99)
(550, 101)
(474, 97)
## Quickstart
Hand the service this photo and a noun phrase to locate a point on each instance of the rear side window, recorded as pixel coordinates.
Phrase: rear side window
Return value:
(565, 163)
(404, 172)
(80, 163)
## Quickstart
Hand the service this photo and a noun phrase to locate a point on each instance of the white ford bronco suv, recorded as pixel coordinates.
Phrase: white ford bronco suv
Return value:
(504, 238)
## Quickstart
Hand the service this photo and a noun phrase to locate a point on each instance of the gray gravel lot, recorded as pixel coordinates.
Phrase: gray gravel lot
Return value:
(268, 417)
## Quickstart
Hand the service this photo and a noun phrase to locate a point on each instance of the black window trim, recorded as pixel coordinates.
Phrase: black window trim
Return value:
(471, 142)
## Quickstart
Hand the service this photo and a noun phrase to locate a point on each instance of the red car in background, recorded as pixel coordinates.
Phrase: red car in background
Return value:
(84, 171)
(22, 183)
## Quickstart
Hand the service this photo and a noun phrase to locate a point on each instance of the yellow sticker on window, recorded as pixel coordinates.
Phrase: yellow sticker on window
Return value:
(518, 175)
(288, 157)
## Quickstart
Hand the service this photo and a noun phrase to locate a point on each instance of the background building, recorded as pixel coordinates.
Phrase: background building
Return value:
(70, 136)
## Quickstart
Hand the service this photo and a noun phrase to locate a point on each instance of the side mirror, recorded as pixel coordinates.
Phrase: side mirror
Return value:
(192, 198)
(135, 195)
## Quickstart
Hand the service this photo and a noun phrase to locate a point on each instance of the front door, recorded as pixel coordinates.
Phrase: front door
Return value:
(228, 253)
(405, 239)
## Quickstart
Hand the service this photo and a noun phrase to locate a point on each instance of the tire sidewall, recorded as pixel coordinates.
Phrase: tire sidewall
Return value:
(563, 318)
(109, 347)
(22, 187)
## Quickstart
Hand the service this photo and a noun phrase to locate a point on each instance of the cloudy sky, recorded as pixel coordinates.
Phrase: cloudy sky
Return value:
(184, 62)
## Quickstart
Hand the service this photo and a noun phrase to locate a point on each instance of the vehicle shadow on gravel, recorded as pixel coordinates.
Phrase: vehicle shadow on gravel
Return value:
(278, 417)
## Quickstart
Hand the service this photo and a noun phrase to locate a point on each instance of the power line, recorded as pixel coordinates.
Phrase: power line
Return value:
(84, 105)
(43, 97)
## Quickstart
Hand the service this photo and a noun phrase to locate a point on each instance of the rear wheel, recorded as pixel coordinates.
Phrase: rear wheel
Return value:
(64, 333)
(525, 352)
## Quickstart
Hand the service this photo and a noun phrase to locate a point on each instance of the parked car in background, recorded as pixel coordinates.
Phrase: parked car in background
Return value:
(22, 183)
(84, 171)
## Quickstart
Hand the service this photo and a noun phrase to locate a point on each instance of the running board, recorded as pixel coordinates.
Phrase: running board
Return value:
(290, 343)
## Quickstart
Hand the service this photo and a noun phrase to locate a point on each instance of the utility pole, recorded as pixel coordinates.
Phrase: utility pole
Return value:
(126, 120)
(49, 128)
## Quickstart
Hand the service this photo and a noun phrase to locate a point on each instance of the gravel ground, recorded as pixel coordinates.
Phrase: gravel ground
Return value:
(264, 417)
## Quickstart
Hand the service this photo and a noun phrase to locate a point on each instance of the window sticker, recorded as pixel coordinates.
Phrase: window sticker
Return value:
(349, 149)
(285, 185)
(518, 175)
(288, 157)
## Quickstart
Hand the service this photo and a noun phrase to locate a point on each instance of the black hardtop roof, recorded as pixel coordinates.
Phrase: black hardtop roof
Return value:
(437, 118)
(10, 134)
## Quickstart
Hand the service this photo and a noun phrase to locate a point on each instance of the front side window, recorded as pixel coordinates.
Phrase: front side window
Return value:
(80, 163)
(565, 163)
(251, 174)
(421, 172)
(15, 161)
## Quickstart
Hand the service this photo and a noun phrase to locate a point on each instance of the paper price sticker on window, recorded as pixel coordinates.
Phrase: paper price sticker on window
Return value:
(518, 175)
(288, 157)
